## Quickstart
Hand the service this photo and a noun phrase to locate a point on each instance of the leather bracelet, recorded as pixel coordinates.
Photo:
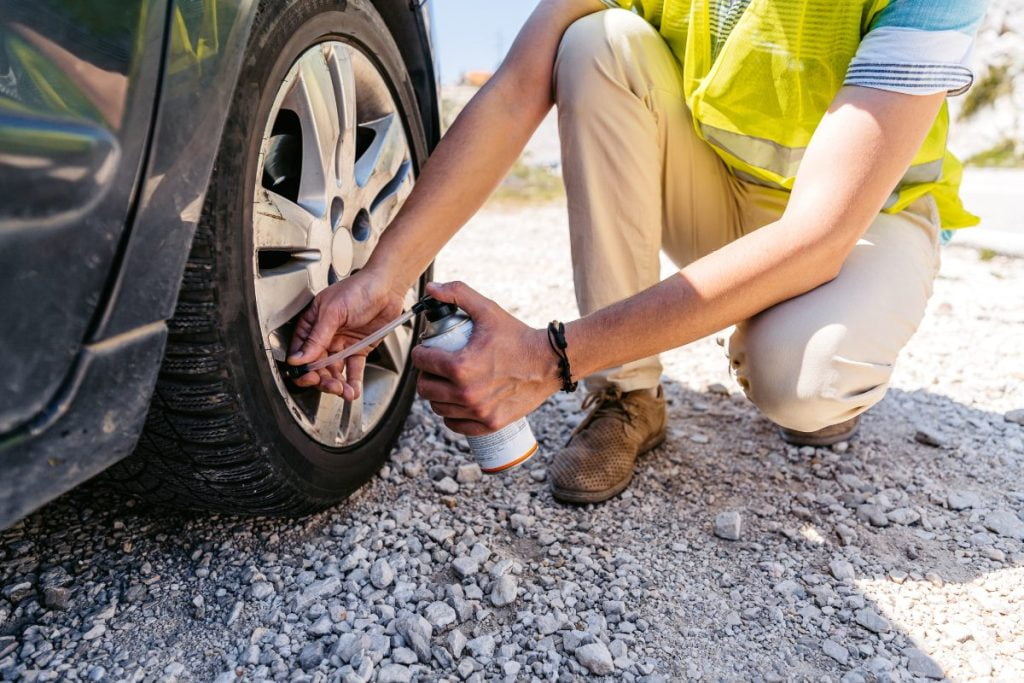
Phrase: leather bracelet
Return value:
(556, 338)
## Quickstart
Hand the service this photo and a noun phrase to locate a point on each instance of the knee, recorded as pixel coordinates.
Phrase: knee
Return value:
(804, 378)
(592, 45)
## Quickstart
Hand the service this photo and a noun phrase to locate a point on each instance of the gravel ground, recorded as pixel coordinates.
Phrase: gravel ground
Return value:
(896, 557)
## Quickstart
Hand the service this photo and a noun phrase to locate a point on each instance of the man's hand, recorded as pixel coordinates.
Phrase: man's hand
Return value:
(505, 371)
(339, 316)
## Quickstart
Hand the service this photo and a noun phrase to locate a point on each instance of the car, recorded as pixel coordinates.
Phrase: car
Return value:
(178, 178)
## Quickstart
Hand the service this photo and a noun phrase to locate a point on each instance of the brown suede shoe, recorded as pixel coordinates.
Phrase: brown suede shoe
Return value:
(598, 461)
(843, 431)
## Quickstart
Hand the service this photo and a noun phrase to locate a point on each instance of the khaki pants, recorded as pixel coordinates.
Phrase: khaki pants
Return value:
(639, 180)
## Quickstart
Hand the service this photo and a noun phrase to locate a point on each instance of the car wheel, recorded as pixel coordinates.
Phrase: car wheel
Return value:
(319, 151)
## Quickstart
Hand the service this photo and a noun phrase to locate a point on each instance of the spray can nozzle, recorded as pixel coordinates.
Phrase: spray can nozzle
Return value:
(433, 309)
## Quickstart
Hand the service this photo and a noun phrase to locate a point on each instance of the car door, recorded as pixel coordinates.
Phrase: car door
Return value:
(77, 101)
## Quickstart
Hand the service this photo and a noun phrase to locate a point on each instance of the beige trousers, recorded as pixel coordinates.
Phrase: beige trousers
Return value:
(639, 180)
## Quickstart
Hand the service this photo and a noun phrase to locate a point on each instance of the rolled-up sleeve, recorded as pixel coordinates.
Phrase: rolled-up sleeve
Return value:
(919, 47)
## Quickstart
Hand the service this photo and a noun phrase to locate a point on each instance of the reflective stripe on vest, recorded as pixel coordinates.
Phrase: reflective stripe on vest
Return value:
(785, 161)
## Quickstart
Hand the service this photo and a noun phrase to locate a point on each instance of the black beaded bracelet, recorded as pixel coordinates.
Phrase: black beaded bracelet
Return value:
(556, 338)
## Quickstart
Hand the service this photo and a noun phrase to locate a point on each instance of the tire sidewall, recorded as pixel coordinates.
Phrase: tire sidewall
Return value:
(282, 32)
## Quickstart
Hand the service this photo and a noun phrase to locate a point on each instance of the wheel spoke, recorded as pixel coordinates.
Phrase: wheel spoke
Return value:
(394, 349)
(381, 161)
(352, 422)
(391, 197)
(312, 98)
(339, 63)
(279, 223)
(330, 412)
(282, 293)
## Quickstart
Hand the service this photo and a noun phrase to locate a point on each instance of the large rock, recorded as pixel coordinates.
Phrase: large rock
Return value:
(729, 525)
(596, 658)
(1005, 523)
(417, 633)
(316, 592)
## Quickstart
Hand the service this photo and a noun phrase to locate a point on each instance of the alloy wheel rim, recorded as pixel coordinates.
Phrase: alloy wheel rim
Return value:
(334, 168)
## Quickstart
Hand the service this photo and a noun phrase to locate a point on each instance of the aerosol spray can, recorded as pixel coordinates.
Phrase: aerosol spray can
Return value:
(449, 328)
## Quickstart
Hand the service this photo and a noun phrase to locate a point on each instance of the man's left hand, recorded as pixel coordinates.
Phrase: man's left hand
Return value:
(505, 371)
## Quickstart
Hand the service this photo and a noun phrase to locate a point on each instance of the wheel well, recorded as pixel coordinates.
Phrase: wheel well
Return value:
(404, 20)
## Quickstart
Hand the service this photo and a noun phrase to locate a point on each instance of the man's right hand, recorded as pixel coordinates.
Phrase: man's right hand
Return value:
(339, 316)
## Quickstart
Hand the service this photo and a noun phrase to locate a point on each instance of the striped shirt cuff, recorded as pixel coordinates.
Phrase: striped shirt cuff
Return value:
(912, 79)
(912, 61)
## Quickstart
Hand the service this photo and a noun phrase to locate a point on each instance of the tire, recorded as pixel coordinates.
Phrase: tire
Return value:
(219, 434)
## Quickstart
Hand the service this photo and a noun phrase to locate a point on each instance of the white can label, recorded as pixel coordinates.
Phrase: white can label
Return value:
(505, 448)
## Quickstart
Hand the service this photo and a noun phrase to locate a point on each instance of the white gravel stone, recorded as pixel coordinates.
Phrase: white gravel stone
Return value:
(920, 664)
(1005, 523)
(835, 651)
(261, 590)
(417, 632)
(94, 632)
(903, 516)
(315, 592)
(439, 614)
(447, 485)
(841, 570)
(963, 500)
(728, 525)
(394, 673)
(482, 647)
(469, 474)
(381, 573)
(465, 566)
(596, 657)
(456, 643)
(504, 590)
(872, 620)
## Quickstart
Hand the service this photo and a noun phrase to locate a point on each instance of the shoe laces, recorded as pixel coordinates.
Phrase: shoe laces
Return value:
(607, 402)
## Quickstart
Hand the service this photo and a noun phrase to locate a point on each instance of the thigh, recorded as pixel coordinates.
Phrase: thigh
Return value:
(703, 201)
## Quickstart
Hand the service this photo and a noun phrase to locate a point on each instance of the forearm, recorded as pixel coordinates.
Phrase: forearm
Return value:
(480, 147)
(732, 284)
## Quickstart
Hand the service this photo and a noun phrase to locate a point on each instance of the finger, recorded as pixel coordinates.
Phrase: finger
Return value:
(452, 410)
(303, 326)
(465, 297)
(310, 379)
(433, 388)
(354, 368)
(433, 361)
(467, 427)
(333, 386)
(319, 338)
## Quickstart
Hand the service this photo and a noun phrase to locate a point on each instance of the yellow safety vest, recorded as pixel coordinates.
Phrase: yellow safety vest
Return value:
(759, 100)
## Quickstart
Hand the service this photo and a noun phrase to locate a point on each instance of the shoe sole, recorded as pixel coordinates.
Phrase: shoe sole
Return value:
(820, 441)
(587, 497)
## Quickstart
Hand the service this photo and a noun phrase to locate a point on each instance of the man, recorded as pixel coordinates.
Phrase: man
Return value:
(788, 155)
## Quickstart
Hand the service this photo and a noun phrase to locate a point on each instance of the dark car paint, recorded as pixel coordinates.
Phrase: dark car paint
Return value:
(75, 113)
(93, 413)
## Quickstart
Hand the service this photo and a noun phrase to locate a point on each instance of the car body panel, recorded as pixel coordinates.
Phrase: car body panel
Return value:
(76, 108)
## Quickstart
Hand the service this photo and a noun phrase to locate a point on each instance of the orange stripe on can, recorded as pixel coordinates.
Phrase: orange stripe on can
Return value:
(518, 461)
